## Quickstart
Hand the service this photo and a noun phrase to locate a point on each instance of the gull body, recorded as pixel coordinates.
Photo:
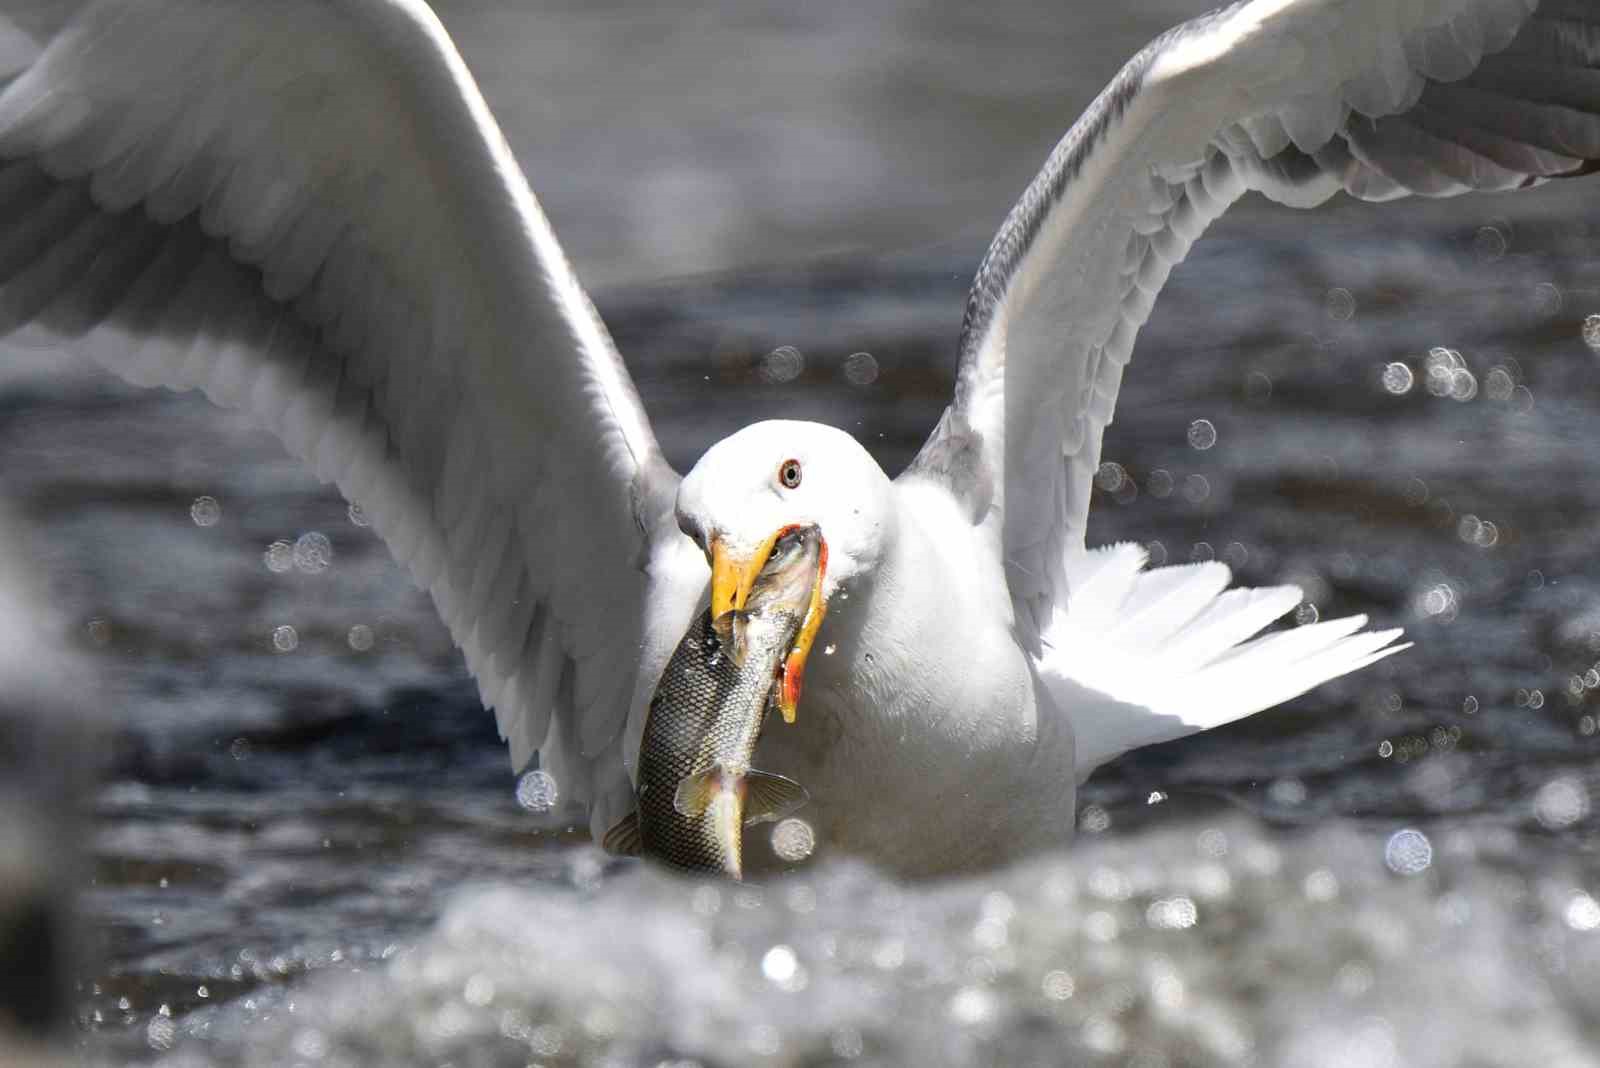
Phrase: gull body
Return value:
(306, 210)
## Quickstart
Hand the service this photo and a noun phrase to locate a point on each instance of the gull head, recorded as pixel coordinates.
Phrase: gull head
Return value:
(753, 488)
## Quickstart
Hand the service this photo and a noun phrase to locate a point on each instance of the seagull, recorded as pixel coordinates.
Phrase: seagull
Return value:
(306, 210)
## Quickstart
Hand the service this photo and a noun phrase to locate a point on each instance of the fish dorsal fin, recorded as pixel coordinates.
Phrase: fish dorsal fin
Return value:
(770, 797)
(623, 838)
(693, 795)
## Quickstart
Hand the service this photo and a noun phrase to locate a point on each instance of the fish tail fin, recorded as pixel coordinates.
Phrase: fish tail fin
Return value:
(1138, 657)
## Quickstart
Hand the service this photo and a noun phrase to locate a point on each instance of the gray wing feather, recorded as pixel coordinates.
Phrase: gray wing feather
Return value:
(304, 209)
(1379, 98)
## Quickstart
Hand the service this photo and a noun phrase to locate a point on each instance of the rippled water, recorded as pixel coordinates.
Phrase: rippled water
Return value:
(307, 846)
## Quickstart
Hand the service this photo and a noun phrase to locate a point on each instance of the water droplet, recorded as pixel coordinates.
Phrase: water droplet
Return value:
(205, 511)
(972, 1006)
(1463, 385)
(1561, 802)
(1442, 365)
(1155, 798)
(847, 1043)
(1437, 602)
(285, 639)
(1058, 985)
(1306, 613)
(1582, 912)
(780, 965)
(1110, 476)
(1093, 819)
(782, 364)
(1321, 885)
(1100, 926)
(1408, 852)
(1522, 400)
(1547, 298)
(793, 840)
(1202, 434)
(1258, 386)
(1201, 552)
(360, 637)
(313, 552)
(1287, 792)
(1171, 914)
(1156, 552)
(1470, 705)
(1591, 331)
(1196, 488)
(1489, 243)
(279, 557)
(860, 369)
(1236, 555)
(1386, 748)
(357, 515)
(1535, 698)
(240, 749)
(1340, 304)
(1498, 384)
(1397, 378)
(100, 631)
(1159, 483)
(537, 791)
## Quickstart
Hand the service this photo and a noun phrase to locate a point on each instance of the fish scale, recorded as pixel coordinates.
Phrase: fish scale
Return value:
(700, 684)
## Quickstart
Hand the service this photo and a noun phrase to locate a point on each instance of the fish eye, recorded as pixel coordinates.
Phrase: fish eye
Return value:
(789, 474)
(787, 544)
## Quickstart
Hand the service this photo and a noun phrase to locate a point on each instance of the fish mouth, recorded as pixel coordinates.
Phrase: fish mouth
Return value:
(734, 578)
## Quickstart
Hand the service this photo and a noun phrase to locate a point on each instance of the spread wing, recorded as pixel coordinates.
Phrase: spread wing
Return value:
(305, 209)
(1296, 99)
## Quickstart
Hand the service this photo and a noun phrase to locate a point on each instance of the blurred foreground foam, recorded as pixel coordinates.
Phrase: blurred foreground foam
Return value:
(1205, 944)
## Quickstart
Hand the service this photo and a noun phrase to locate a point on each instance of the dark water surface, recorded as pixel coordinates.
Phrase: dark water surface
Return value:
(307, 846)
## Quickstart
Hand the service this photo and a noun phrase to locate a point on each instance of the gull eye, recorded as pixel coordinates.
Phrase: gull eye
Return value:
(789, 474)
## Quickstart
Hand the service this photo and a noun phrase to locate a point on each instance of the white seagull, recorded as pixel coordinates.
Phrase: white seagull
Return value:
(305, 209)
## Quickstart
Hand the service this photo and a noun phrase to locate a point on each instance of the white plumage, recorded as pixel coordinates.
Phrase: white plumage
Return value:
(305, 209)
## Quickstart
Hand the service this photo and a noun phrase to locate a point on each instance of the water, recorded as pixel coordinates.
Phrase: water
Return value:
(317, 853)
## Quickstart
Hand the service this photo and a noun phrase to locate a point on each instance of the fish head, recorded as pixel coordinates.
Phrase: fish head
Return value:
(781, 603)
(790, 581)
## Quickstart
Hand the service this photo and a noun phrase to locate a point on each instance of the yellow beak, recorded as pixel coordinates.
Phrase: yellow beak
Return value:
(731, 579)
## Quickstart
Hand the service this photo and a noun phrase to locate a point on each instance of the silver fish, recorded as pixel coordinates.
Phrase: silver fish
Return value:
(696, 789)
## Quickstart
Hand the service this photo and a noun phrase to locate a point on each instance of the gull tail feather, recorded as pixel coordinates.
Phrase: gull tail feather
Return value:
(1138, 657)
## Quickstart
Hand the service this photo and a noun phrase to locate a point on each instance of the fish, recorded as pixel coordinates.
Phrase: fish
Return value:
(696, 789)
